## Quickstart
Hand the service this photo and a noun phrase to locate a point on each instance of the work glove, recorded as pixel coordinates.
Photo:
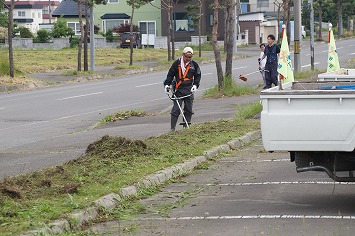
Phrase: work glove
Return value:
(193, 89)
(167, 89)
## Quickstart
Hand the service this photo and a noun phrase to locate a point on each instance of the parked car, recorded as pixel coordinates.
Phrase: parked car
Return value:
(126, 40)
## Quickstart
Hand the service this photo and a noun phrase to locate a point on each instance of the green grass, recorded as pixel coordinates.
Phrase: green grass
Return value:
(311, 75)
(77, 73)
(33, 200)
(128, 67)
(230, 88)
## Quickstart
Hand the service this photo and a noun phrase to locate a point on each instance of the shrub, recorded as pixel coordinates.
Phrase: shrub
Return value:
(25, 32)
(43, 36)
(109, 36)
(74, 41)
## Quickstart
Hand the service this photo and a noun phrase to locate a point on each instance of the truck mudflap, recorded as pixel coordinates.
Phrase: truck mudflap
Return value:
(332, 163)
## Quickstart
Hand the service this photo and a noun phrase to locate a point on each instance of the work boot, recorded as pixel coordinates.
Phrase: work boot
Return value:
(173, 122)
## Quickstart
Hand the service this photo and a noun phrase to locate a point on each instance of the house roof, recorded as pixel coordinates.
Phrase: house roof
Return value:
(68, 8)
(23, 20)
(28, 6)
(115, 16)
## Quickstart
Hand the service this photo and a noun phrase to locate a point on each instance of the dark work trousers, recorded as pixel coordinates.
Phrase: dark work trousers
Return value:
(187, 108)
(271, 74)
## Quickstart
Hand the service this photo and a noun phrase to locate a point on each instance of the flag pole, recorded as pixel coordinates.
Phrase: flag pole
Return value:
(280, 75)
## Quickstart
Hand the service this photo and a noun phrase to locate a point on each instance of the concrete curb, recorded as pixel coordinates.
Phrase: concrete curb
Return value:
(112, 200)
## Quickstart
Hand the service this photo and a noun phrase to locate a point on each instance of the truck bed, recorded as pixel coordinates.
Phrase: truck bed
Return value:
(309, 116)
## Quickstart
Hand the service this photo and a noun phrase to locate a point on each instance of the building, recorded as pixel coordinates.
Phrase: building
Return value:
(115, 13)
(31, 14)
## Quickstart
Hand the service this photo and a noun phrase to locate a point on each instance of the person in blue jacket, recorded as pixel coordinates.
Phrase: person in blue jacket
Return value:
(271, 52)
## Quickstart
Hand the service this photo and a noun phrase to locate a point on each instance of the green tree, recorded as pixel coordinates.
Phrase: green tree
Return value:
(195, 12)
(3, 19)
(135, 4)
(43, 36)
(61, 29)
(306, 11)
(321, 8)
(25, 33)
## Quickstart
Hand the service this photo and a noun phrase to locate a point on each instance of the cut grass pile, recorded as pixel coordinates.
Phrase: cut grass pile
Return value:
(230, 89)
(121, 115)
(33, 200)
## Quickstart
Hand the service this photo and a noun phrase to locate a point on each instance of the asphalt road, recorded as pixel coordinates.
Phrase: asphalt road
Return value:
(50, 126)
(247, 193)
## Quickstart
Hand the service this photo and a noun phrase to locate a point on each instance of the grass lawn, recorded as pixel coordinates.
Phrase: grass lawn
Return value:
(33, 200)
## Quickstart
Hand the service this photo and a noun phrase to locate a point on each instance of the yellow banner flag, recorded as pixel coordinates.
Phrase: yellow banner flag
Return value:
(333, 60)
(285, 65)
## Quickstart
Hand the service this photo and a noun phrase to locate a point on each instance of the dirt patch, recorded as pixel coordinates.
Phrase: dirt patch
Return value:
(11, 190)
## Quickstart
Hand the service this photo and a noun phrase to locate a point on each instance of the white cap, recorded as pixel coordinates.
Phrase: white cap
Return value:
(188, 49)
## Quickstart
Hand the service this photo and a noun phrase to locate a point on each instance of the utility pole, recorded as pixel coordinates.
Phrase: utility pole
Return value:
(297, 34)
(235, 27)
(92, 38)
(312, 33)
(49, 12)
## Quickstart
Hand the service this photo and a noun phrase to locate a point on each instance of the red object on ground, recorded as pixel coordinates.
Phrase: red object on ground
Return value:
(242, 77)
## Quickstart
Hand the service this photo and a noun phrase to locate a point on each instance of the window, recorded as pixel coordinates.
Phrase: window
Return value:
(211, 20)
(262, 3)
(183, 22)
(21, 13)
(110, 24)
(113, 1)
(39, 15)
(75, 26)
(33, 15)
(45, 10)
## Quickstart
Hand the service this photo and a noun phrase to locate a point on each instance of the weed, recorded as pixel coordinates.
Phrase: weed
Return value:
(229, 89)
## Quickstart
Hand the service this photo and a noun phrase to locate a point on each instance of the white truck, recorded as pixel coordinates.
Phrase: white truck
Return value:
(315, 122)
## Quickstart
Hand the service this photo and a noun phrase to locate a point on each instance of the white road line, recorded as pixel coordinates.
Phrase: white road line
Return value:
(257, 217)
(316, 63)
(240, 68)
(352, 53)
(284, 182)
(79, 96)
(308, 55)
(340, 48)
(325, 51)
(2, 108)
(251, 73)
(107, 109)
(145, 85)
(255, 161)
(207, 74)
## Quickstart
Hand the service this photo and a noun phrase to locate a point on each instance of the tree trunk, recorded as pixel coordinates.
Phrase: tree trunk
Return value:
(286, 16)
(169, 36)
(225, 27)
(320, 23)
(9, 30)
(217, 53)
(80, 45)
(200, 29)
(172, 32)
(131, 36)
(86, 30)
(230, 38)
(340, 18)
(348, 24)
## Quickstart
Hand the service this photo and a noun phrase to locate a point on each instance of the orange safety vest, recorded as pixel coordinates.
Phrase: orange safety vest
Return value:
(182, 78)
